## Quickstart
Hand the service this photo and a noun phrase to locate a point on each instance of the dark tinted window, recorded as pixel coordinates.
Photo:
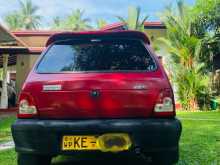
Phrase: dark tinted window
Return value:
(123, 55)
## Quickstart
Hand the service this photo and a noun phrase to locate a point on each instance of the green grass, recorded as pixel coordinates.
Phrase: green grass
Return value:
(8, 157)
(212, 115)
(199, 145)
(200, 140)
(5, 128)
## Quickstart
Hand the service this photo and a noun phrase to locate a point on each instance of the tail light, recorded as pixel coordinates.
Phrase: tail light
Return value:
(165, 106)
(27, 106)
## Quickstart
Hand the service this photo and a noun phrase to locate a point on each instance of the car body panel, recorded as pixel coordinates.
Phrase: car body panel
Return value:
(121, 95)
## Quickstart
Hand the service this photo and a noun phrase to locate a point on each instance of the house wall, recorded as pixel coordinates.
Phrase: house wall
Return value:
(25, 62)
(23, 67)
(154, 34)
(34, 41)
(10, 69)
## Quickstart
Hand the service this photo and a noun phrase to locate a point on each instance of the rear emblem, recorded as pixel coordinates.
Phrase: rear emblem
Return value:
(56, 87)
(95, 93)
(139, 86)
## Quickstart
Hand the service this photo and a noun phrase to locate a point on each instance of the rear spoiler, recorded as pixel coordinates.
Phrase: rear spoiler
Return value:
(98, 35)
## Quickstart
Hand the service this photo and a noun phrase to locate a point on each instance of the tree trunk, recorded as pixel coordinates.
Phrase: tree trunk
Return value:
(4, 93)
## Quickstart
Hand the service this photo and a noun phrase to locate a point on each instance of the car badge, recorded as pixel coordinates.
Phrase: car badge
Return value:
(94, 93)
(52, 87)
(139, 86)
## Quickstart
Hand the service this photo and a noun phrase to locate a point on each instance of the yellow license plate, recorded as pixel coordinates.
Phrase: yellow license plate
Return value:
(79, 143)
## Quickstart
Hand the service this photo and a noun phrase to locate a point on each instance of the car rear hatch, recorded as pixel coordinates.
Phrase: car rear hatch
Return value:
(113, 95)
(96, 78)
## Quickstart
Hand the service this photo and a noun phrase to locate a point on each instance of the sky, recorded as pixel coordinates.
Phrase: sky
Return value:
(94, 9)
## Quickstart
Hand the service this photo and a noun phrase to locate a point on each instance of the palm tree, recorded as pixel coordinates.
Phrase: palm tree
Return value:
(184, 46)
(13, 21)
(28, 12)
(25, 17)
(101, 23)
(184, 49)
(133, 22)
(57, 23)
(192, 85)
(76, 21)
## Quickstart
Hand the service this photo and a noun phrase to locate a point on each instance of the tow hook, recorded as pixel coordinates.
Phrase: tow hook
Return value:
(141, 155)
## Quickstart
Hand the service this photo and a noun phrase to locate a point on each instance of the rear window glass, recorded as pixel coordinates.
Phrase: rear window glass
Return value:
(122, 55)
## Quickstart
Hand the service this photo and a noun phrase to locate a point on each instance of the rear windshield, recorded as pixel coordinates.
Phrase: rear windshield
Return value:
(96, 55)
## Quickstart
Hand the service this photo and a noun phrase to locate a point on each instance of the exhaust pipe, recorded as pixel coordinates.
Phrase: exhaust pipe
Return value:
(142, 156)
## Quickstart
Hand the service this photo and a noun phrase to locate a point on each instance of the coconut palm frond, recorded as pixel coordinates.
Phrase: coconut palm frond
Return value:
(133, 21)
(76, 21)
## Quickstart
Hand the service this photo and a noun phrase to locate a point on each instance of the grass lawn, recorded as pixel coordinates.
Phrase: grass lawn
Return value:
(5, 128)
(8, 157)
(199, 145)
(200, 140)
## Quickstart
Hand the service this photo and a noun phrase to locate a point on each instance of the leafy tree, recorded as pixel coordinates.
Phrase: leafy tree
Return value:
(57, 23)
(13, 21)
(207, 26)
(101, 23)
(207, 14)
(25, 17)
(29, 14)
(133, 21)
(76, 21)
(183, 46)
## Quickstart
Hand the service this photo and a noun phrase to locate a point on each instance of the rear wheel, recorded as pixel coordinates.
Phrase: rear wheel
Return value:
(32, 159)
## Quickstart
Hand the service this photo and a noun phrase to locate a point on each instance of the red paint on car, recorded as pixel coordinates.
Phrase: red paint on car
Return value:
(118, 97)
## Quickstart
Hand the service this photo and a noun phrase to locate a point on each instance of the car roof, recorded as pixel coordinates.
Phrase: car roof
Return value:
(122, 34)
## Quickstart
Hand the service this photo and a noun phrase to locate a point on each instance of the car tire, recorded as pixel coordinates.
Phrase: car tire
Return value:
(31, 159)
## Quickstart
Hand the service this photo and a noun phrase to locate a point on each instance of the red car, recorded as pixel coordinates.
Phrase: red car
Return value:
(99, 94)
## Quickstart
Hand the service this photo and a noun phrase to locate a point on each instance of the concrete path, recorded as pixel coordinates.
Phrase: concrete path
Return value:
(7, 145)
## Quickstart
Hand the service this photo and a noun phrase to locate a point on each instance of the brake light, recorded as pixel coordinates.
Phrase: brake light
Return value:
(164, 106)
(27, 106)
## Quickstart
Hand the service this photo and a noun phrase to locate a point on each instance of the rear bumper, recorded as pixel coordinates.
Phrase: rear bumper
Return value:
(44, 136)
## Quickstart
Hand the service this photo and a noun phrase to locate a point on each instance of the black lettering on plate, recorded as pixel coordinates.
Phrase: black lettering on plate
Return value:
(76, 142)
(83, 141)
(65, 144)
(70, 144)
